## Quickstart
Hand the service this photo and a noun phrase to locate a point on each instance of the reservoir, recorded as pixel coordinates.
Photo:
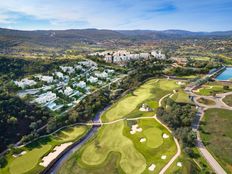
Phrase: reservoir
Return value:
(225, 75)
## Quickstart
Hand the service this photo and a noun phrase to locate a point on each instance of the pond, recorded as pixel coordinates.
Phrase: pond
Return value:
(225, 75)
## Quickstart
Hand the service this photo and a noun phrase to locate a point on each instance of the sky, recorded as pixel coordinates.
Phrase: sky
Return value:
(192, 15)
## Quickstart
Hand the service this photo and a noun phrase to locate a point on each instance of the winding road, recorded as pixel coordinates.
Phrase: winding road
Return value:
(218, 99)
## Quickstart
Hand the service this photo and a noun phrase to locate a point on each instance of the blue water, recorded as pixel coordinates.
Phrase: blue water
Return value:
(225, 75)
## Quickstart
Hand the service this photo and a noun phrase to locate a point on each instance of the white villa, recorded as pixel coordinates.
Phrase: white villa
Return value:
(48, 79)
(68, 91)
(59, 75)
(46, 97)
(68, 69)
(102, 75)
(92, 79)
(25, 82)
(88, 63)
(158, 54)
(81, 84)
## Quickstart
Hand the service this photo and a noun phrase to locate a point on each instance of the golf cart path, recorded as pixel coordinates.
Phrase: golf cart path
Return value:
(164, 169)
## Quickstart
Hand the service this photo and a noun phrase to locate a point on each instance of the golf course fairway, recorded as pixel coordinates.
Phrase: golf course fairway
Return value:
(119, 148)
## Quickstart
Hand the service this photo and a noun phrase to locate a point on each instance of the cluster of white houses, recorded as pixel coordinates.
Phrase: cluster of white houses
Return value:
(70, 81)
(123, 56)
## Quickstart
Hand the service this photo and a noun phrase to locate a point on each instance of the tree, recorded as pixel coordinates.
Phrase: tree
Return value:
(226, 87)
(12, 120)
(3, 161)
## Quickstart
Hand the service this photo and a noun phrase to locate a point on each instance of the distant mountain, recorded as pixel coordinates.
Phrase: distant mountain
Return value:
(64, 38)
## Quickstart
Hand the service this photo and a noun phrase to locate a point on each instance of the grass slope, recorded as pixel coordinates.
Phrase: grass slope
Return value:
(151, 90)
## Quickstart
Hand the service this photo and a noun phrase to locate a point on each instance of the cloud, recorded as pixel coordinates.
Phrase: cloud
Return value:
(116, 14)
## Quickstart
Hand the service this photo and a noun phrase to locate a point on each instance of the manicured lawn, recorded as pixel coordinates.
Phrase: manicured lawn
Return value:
(115, 150)
(206, 101)
(181, 97)
(208, 90)
(35, 151)
(151, 90)
(28, 161)
(228, 100)
(216, 133)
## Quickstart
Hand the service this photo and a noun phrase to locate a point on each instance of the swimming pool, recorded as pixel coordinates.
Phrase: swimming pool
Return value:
(225, 75)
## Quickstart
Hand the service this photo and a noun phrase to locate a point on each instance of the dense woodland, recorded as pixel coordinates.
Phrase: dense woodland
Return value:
(179, 117)
(18, 118)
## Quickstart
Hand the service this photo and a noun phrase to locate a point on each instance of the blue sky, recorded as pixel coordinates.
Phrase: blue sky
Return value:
(193, 15)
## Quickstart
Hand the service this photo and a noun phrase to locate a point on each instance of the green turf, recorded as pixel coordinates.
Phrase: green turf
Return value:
(154, 137)
(216, 133)
(208, 90)
(36, 150)
(150, 90)
(115, 148)
(228, 100)
(28, 161)
(181, 97)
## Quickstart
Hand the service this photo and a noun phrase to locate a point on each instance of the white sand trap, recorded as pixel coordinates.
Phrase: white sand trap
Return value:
(179, 164)
(163, 157)
(135, 129)
(165, 136)
(52, 155)
(143, 140)
(152, 167)
(17, 155)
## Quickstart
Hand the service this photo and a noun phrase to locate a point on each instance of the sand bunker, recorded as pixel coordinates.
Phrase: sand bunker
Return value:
(135, 128)
(143, 140)
(152, 167)
(17, 155)
(179, 164)
(163, 157)
(165, 136)
(51, 156)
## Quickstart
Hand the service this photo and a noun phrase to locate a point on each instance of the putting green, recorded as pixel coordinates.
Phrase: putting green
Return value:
(154, 137)
(111, 139)
(28, 161)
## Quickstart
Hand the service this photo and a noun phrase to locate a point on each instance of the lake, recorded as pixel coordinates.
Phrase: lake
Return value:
(225, 75)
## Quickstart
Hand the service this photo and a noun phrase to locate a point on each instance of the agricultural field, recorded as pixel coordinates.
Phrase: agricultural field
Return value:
(228, 100)
(218, 137)
(117, 147)
(29, 161)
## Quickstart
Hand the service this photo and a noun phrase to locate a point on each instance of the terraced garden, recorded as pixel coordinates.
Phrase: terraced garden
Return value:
(116, 148)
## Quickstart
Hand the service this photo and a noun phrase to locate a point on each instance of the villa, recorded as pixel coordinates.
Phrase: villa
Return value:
(102, 75)
(92, 79)
(81, 84)
(25, 82)
(48, 79)
(68, 91)
(46, 97)
(68, 69)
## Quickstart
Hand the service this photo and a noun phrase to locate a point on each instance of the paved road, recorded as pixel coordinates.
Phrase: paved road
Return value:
(195, 125)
